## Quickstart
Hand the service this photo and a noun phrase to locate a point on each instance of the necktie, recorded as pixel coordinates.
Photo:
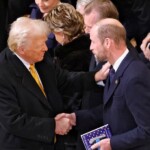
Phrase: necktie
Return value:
(36, 77)
(111, 74)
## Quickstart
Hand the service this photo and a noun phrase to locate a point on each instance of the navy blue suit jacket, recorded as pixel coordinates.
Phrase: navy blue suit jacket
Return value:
(126, 107)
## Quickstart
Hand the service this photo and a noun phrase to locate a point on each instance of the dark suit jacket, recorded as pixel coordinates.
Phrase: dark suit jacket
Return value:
(126, 107)
(26, 116)
(94, 98)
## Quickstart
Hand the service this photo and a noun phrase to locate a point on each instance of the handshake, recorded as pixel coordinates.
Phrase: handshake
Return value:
(64, 123)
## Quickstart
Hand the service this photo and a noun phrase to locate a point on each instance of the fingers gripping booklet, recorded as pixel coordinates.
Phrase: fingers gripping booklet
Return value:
(94, 136)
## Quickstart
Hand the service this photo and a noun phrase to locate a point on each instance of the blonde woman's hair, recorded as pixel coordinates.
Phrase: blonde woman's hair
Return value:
(64, 18)
(23, 29)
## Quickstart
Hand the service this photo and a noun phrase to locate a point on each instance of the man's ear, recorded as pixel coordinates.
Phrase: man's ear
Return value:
(107, 42)
(21, 49)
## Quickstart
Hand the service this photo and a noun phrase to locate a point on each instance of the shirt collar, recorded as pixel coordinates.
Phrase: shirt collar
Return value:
(27, 65)
(119, 60)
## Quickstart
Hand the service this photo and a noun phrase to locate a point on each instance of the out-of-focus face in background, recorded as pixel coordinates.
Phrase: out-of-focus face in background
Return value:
(90, 20)
(46, 5)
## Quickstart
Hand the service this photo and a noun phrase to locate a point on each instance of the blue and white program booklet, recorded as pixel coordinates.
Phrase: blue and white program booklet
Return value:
(94, 136)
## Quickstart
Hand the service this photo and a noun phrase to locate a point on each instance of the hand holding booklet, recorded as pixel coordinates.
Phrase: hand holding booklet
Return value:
(94, 136)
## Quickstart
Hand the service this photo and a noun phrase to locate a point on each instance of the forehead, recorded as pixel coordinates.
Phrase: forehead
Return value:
(36, 39)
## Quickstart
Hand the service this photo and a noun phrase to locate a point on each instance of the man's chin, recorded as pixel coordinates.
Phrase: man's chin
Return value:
(99, 59)
(96, 58)
(40, 59)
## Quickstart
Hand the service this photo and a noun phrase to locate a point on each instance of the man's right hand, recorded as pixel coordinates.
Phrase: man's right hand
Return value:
(62, 126)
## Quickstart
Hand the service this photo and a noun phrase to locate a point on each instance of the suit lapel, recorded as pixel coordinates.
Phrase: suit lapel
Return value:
(46, 73)
(30, 84)
(109, 90)
(26, 78)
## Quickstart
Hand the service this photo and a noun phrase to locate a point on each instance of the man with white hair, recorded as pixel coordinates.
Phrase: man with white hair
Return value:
(27, 117)
(31, 88)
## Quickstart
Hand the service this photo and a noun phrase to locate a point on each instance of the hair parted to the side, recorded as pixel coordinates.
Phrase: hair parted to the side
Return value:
(105, 9)
(64, 17)
(22, 29)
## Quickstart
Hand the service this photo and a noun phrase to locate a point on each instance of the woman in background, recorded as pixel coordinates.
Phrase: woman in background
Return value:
(72, 54)
(67, 25)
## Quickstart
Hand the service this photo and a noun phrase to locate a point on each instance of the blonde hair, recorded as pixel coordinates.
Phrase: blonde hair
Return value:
(64, 18)
(22, 29)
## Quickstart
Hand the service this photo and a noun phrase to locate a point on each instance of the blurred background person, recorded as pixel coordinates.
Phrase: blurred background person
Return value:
(73, 51)
(97, 10)
(100, 9)
(67, 25)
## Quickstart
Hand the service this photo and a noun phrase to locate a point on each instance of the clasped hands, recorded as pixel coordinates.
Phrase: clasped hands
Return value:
(64, 123)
